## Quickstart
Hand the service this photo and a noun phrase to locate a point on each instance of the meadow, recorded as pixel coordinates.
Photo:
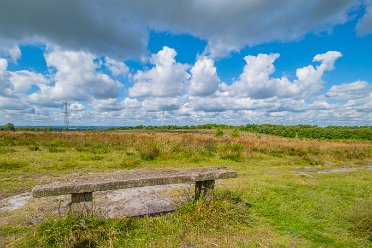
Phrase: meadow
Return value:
(285, 195)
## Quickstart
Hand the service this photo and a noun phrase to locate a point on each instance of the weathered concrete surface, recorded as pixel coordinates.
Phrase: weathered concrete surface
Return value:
(150, 200)
(137, 178)
(14, 202)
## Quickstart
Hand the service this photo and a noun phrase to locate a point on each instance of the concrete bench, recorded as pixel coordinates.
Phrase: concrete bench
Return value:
(81, 189)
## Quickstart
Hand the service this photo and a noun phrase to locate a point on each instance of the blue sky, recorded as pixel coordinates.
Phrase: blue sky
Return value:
(139, 63)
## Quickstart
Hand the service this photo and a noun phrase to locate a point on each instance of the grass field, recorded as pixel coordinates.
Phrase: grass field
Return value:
(278, 200)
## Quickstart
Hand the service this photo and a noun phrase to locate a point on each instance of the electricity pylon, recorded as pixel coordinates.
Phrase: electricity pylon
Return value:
(65, 112)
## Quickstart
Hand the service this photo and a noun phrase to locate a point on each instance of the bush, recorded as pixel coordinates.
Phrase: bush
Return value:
(235, 133)
(219, 132)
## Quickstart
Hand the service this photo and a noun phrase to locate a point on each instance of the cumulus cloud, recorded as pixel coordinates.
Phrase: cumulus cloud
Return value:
(76, 78)
(357, 89)
(163, 104)
(14, 83)
(12, 103)
(117, 68)
(13, 89)
(204, 78)
(23, 80)
(170, 92)
(120, 28)
(256, 81)
(358, 96)
(106, 105)
(76, 106)
(166, 79)
(5, 84)
(12, 52)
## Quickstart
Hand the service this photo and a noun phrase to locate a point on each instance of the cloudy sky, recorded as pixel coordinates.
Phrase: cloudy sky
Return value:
(139, 62)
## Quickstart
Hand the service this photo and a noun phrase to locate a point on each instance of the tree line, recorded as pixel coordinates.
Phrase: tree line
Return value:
(293, 131)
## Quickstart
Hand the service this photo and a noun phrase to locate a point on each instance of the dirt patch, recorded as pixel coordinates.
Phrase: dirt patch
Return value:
(343, 169)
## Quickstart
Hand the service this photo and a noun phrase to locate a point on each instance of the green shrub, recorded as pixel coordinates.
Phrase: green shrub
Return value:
(219, 132)
(235, 133)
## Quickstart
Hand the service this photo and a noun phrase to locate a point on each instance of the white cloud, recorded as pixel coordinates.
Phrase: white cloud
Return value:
(15, 53)
(166, 79)
(12, 52)
(167, 94)
(357, 89)
(131, 103)
(106, 105)
(76, 106)
(117, 68)
(256, 80)
(204, 78)
(23, 80)
(358, 96)
(5, 85)
(76, 78)
(16, 82)
(14, 86)
(13, 103)
(163, 104)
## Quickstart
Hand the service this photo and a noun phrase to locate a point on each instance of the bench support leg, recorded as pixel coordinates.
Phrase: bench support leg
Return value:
(81, 197)
(202, 187)
(81, 203)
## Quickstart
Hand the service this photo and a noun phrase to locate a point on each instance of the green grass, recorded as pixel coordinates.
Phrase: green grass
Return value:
(278, 200)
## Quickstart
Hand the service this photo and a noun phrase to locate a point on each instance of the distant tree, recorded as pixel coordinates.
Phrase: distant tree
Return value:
(9, 126)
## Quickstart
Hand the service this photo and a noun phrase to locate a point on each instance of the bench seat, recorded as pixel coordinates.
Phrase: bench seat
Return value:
(81, 188)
